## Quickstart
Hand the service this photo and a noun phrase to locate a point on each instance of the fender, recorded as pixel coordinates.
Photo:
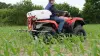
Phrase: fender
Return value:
(76, 20)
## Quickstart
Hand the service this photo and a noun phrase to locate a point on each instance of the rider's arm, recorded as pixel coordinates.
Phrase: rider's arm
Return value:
(53, 9)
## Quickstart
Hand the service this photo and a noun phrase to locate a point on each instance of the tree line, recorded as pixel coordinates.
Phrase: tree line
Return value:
(91, 11)
(16, 14)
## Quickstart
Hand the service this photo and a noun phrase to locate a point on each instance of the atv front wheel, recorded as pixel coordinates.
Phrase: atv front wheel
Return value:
(79, 31)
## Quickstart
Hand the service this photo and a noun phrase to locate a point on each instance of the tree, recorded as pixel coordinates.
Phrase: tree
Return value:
(91, 11)
(4, 5)
(16, 15)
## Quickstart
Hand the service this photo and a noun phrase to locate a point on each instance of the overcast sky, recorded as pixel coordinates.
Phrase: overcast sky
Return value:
(77, 3)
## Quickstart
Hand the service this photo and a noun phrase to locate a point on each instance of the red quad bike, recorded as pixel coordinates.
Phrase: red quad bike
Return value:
(73, 25)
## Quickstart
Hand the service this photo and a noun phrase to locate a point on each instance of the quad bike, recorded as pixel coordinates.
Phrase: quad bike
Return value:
(73, 25)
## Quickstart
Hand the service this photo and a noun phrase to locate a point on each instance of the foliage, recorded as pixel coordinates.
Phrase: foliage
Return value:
(17, 43)
(4, 5)
(91, 11)
(16, 14)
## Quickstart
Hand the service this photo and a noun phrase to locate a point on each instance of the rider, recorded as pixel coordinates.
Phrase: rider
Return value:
(54, 11)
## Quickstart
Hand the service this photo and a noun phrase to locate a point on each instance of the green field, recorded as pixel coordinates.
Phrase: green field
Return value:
(15, 43)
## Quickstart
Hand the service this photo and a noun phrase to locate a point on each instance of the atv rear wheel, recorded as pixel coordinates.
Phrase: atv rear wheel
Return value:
(79, 31)
(47, 35)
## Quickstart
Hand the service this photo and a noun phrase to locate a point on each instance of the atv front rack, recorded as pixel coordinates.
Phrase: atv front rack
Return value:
(31, 30)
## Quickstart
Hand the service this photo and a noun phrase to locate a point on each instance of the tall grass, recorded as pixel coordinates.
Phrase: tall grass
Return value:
(13, 43)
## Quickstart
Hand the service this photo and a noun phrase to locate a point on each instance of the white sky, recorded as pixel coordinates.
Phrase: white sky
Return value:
(77, 3)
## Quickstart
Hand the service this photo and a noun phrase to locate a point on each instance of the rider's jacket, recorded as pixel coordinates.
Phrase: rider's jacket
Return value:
(53, 10)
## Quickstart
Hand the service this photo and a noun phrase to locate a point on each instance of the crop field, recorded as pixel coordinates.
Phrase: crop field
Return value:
(16, 43)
